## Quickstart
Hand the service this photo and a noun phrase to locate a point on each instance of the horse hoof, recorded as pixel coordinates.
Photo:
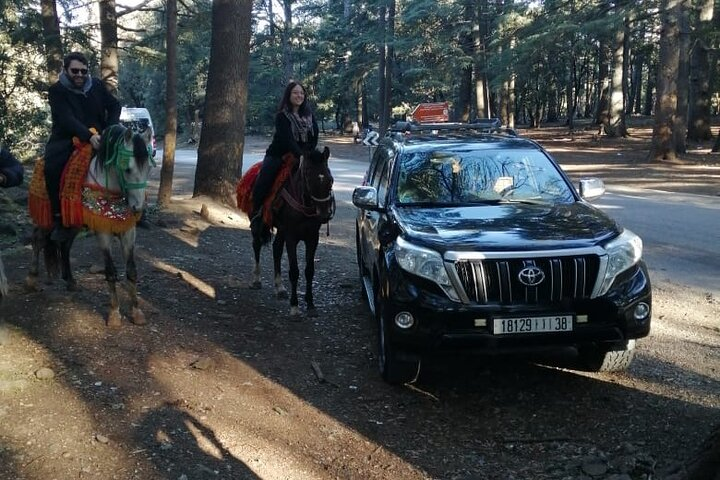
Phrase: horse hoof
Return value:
(72, 287)
(281, 293)
(312, 312)
(138, 317)
(114, 320)
(256, 285)
(294, 312)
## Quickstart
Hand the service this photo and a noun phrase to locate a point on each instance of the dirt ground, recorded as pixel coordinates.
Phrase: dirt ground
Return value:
(222, 384)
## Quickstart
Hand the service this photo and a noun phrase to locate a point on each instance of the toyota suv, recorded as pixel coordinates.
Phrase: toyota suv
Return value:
(470, 238)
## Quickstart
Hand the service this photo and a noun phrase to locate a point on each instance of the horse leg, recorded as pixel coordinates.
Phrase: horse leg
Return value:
(293, 273)
(38, 242)
(257, 248)
(65, 268)
(277, 249)
(127, 242)
(310, 249)
(114, 317)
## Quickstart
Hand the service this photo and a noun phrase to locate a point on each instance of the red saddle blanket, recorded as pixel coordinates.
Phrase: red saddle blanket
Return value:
(71, 184)
(247, 182)
(81, 205)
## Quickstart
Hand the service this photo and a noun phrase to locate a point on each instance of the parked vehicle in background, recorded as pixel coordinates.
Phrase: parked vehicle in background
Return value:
(139, 120)
(472, 239)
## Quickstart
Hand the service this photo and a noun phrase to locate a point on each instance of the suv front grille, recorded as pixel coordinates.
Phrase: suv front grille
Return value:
(498, 280)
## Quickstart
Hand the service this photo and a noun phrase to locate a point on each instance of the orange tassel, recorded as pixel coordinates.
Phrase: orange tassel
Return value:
(38, 200)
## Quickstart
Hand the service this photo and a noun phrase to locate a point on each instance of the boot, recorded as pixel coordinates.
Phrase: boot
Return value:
(60, 233)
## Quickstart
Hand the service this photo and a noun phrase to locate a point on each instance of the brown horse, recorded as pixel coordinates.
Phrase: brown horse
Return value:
(110, 203)
(304, 203)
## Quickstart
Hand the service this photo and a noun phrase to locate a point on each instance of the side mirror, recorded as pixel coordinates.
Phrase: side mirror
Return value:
(365, 197)
(591, 188)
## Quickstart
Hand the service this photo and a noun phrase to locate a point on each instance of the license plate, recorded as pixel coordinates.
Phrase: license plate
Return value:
(554, 323)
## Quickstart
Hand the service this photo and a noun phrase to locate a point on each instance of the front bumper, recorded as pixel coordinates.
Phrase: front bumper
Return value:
(442, 325)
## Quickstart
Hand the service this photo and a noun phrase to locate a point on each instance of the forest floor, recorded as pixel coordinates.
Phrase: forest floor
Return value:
(222, 384)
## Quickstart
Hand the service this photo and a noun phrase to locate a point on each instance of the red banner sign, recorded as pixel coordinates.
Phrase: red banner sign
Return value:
(430, 113)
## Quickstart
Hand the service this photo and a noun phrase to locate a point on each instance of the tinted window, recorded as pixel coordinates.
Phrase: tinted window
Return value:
(478, 175)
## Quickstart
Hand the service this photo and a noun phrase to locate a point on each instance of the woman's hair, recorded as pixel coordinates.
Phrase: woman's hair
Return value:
(80, 57)
(304, 109)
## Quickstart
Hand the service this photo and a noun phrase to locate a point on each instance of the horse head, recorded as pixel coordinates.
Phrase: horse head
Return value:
(318, 182)
(124, 162)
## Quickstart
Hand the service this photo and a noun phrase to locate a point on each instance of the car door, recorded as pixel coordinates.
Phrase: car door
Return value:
(368, 220)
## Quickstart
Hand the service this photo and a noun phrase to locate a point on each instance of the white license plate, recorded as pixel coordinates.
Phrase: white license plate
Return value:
(554, 323)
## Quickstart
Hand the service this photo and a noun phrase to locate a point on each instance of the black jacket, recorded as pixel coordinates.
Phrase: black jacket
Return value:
(11, 169)
(73, 114)
(283, 141)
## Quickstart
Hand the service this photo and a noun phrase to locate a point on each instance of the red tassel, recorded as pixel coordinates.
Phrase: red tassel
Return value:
(247, 182)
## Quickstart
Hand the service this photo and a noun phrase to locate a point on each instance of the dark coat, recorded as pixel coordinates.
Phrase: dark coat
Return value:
(283, 141)
(10, 168)
(73, 114)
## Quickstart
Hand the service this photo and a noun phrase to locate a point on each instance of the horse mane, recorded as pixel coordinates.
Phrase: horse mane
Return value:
(110, 138)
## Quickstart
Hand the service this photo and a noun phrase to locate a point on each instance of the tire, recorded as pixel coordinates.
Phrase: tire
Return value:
(607, 358)
(396, 367)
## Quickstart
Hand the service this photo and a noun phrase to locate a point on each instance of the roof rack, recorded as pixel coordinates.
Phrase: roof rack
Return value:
(480, 125)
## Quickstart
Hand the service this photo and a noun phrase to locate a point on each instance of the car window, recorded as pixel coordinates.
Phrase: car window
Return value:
(138, 125)
(378, 174)
(478, 176)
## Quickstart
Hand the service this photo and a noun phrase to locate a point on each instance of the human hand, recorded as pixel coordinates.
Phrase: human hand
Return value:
(95, 141)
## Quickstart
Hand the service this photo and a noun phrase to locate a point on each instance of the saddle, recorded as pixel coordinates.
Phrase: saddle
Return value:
(80, 204)
(247, 182)
(71, 184)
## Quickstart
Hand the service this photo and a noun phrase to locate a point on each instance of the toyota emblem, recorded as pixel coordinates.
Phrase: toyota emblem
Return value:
(531, 276)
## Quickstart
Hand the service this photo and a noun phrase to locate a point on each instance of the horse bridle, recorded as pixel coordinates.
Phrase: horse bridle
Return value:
(119, 158)
(307, 210)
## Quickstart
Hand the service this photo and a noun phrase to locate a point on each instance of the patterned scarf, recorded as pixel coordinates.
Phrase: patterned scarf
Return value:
(301, 126)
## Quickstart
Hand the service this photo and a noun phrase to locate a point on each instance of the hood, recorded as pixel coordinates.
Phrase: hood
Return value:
(506, 227)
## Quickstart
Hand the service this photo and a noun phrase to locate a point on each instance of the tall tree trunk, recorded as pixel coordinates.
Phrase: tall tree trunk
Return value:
(286, 47)
(480, 27)
(389, 64)
(168, 161)
(680, 122)
(699, 97)
(616, 126)
(223, 131)
(109, 63)
(51, 40)
(603, 81)
(382, 65)
(663, 145)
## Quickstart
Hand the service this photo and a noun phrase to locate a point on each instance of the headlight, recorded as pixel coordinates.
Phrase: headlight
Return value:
(622, 253)
(424, 263)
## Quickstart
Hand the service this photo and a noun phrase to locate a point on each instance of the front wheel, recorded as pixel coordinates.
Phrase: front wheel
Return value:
(396, 367)
(607, 358)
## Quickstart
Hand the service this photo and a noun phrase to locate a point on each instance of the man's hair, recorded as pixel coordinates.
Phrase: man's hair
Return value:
(79, 56)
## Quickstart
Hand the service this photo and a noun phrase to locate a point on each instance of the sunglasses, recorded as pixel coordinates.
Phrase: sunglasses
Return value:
(81, 71)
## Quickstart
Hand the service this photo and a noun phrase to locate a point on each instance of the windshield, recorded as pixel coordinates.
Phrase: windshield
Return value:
(460, 176)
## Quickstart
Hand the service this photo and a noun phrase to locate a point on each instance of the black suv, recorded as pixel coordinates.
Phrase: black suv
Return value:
(472, 239)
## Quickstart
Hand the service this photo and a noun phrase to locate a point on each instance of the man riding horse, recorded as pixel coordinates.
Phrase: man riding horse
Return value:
(78, 104)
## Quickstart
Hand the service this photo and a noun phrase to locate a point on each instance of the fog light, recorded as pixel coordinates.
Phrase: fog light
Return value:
(641, 312)
(404, 320)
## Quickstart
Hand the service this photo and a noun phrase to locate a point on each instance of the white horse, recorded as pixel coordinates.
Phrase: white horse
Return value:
(113, 197)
